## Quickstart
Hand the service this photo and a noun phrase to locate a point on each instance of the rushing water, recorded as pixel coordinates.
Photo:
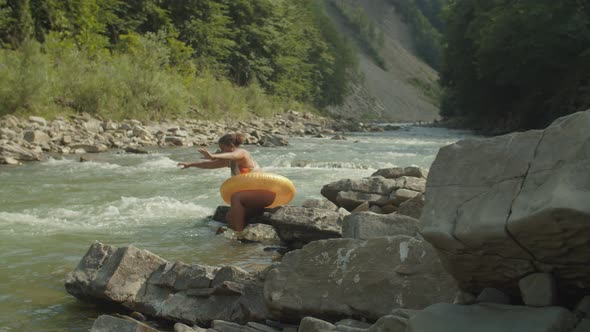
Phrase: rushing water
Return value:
(50, 212)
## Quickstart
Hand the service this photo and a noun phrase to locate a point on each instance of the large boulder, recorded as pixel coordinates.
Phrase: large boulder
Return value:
(144, 282)
(342, 278)
(488, 317)
(501, 208)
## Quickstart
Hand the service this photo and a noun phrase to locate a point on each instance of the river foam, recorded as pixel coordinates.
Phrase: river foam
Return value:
(126, 213)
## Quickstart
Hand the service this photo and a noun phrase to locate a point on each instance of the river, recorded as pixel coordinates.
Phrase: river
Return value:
(52, 211)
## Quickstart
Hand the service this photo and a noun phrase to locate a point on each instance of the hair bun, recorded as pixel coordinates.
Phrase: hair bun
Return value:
(239, 139)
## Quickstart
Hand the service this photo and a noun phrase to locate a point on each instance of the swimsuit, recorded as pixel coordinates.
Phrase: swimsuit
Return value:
(236, 169)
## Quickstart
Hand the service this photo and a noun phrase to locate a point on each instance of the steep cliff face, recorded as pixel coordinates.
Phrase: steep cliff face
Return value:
(397, 93)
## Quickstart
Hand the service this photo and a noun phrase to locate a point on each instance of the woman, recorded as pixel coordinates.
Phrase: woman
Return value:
(240, 162)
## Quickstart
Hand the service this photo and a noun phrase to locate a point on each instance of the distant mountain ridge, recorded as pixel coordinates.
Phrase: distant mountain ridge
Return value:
(406, 90)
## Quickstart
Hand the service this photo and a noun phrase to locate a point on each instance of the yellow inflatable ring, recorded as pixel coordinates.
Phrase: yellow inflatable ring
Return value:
(280, 185)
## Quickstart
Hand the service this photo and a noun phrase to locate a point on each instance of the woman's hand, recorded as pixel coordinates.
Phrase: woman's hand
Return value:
(206, 154)
(183, 165)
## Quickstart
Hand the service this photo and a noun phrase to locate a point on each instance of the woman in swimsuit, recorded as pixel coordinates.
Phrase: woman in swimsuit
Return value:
(240, 162)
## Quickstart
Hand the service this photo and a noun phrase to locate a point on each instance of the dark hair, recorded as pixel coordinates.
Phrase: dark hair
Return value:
(236, 139)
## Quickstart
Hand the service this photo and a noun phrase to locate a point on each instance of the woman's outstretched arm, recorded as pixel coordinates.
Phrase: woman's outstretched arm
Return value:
(234, 155)
(208, 164)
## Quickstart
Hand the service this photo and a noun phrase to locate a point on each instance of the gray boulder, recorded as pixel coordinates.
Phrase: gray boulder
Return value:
(319, 204)
(538, 290)
(505, 207)
(347, 278)
(366, 225)
(144, 282)
(36, 137)
(351, 200)
(372, 185)
(444, 317)
(297, 226)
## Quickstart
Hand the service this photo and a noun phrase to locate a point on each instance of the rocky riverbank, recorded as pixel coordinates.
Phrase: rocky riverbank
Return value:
(494, 240)
(35, 138)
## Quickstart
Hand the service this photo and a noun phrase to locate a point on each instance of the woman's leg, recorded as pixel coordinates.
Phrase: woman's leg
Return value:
(249, 199)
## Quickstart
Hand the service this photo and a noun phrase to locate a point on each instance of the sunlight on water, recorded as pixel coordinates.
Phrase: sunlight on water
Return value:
(52, 211)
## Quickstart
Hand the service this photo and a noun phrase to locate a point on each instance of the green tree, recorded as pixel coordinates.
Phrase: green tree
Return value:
(516, 64)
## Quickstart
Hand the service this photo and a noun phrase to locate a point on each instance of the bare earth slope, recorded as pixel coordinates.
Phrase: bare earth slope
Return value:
(387, 95)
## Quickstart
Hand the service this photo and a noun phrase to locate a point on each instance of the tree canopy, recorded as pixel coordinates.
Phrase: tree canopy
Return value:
(288, 47)
(516, 64)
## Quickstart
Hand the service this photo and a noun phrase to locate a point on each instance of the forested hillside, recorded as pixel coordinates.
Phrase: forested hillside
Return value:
(511, 65)
(151, 58)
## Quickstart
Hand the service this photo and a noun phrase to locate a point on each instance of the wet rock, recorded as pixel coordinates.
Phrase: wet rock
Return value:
(261, 233)
(107, 323)
(8, 161)
(135, 150)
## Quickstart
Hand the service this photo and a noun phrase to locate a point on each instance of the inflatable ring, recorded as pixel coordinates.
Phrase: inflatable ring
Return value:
(280, 185)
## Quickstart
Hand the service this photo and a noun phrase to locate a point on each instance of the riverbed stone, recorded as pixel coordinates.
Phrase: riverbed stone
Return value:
(311, 324)
(144, 282)
(36, 137)
(389, 323)
(366, 225)
(8, 161)
(412, 207)
(492, 295)
(112, 274)
(372, 185)
(351, 200)
(523, 211)
(38, 120)
(322, 203)
(538, 290)
(347, 278)
(16, 151)
(390, 173)
(443, 317)
(415, 171)
(401, 195)
(297, 226)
